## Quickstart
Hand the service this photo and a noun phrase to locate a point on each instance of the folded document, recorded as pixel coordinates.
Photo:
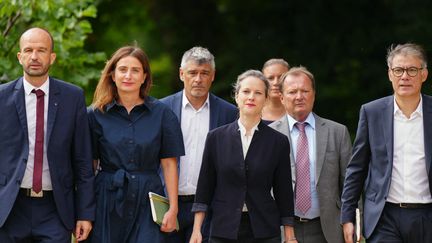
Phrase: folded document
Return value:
(159, 206)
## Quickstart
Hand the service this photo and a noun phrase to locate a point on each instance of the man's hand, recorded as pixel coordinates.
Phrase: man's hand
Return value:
(348, 230)
(82, 229)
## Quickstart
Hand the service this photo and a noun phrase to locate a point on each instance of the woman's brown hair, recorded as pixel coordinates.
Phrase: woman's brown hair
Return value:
(106, 90)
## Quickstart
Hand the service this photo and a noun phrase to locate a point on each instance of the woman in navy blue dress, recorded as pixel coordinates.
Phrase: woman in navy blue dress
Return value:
(133, 136)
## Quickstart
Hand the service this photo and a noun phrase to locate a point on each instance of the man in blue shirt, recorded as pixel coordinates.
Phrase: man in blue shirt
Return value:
(320, 152)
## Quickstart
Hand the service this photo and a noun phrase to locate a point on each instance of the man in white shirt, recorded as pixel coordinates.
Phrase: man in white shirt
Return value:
(392, 157)
(198, 111)
(46, 175)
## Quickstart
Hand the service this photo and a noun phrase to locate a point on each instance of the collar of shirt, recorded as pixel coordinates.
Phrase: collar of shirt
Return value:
(246, 139)
(242, 129)
(397, 112)
(29, 87)
(310, 120)
(148, 103)
(186, 103)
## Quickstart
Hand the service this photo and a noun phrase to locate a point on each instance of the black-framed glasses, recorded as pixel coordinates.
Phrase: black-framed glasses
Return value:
(411, 71)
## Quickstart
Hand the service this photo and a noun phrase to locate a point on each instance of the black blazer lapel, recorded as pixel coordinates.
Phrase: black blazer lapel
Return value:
(214, 111)
(53, 103)
(427, 118)
(387, 126)
(236, 141)
(256, 145)
(177, 104)
(20, 104)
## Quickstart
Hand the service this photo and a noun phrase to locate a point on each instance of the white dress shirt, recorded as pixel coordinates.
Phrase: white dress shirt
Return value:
(195, 125)
(409, 181)
(246, 140)
(30, 104)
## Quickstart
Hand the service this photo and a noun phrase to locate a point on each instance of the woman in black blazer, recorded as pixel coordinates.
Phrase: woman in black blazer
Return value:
(239, 171)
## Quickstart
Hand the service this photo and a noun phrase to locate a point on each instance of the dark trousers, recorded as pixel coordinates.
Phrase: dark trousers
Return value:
(245, 234)
(186, 220)
(309, 232)
(34, 220)
(403, 225)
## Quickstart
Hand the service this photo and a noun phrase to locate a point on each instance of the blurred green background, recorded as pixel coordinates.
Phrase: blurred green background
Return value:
(343, 43)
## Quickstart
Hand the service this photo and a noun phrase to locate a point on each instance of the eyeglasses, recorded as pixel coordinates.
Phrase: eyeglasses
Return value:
(411, 71)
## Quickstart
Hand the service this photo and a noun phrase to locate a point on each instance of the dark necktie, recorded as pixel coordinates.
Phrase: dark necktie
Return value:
(39, 141)
(303, 194)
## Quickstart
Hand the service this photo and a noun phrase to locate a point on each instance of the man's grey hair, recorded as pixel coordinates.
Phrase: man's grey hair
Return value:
(274, 61)
(407, 49)
(198, 54)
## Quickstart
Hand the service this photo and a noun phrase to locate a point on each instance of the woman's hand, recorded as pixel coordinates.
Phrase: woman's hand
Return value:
(196, 237)
(169, 221)
(169, 167)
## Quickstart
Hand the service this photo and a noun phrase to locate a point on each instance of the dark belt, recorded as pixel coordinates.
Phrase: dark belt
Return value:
(186, 198)
(304, 220)
(410, 205)
(28, 192)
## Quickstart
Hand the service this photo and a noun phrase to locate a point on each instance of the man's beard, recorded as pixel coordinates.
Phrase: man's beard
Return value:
(36, 73)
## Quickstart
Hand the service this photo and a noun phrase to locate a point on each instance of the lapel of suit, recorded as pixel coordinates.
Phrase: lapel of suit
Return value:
(255, 145)
(427, 126)
(387, 116)
(177, 104)
(53, 103)
(321, 134)
(282, 126)
(237, 143)
(20, 105)
(214, 113)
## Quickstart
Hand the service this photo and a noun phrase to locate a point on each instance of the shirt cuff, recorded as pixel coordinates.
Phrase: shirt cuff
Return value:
(199, 207)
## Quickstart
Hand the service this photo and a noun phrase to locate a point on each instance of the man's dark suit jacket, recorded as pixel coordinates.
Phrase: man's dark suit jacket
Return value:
(370, 168)
(227, 181)
(68, 150)
(221, 112)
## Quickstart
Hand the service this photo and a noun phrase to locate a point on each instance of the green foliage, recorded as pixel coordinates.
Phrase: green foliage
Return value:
(68, 22)
(131, 24)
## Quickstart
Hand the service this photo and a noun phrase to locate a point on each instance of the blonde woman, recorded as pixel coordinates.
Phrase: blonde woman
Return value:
(274, 109)
(238, 172)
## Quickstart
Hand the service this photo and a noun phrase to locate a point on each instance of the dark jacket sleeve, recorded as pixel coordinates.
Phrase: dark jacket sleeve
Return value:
(207, 177)
(356, 171)
(282, 186)
(82, 165)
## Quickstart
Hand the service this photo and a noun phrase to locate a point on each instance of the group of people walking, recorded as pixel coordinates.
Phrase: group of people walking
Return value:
(265, 171)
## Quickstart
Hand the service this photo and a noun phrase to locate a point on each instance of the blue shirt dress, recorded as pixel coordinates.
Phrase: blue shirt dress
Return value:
(129, 148)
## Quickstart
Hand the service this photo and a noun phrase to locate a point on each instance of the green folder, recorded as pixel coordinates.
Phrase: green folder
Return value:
(159, 206)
